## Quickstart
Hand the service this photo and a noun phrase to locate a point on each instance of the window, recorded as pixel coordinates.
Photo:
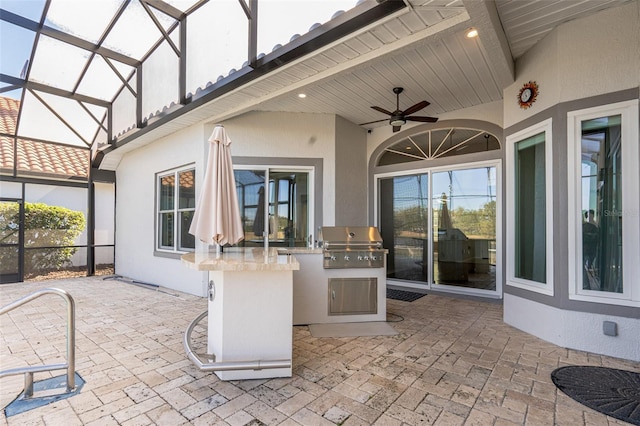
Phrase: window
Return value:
(439, 143)
(529, 219)
(276, 204)
(604, 229)
(176, 206)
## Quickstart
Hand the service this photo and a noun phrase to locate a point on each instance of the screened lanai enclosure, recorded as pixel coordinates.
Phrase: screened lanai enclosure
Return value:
(80, 79)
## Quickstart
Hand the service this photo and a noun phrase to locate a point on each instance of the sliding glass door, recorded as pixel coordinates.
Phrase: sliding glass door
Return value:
(440, 228)
(464, 228)
(404, 226)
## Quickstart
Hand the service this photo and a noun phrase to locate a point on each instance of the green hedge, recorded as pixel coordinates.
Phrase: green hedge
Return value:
(45, 226)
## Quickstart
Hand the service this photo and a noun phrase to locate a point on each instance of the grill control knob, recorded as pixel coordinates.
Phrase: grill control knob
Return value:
(374, 258)
(359, 257)
(333, 258)
(346, 258)
(366, 258)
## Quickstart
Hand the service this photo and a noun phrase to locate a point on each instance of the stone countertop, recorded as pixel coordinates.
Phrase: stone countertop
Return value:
(241, 259)
(300, 250)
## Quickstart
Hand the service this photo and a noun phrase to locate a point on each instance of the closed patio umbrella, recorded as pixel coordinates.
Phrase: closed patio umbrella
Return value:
(217, 216)
(258, 222)
(444, 219)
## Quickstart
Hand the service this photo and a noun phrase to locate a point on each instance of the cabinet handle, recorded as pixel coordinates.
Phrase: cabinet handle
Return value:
(333, 295)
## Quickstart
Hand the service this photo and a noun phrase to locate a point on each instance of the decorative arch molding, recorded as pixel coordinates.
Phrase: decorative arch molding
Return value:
(478, 125)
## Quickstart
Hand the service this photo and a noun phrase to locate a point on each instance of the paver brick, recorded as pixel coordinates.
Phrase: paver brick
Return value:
(453, 362)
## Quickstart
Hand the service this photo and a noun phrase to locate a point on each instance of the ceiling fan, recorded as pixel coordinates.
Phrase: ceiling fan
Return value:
(398, 117)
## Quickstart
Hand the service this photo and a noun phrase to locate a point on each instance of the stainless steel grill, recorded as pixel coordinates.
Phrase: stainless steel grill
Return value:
(352, 247)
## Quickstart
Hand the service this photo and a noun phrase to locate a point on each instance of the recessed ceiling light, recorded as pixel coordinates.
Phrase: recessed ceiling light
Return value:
(302, 95)
(471, 33)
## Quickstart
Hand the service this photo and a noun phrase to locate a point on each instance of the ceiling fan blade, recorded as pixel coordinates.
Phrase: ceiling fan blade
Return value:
(396, 129)
(422, 119)
(382, 110)
(417, 107)
(371, 122)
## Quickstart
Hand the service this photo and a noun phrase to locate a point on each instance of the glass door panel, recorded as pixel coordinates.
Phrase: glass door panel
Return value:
(464, 228)
(404, 226)
(250, 187)
(287, 205)
(288, 209)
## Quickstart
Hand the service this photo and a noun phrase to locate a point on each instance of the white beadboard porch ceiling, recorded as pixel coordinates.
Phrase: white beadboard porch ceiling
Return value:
(422, 49)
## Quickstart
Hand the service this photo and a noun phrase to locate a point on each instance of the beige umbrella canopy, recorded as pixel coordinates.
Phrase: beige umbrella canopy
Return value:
(217, 216)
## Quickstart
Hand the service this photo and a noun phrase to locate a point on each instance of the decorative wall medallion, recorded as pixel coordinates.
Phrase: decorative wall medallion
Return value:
(528, 94)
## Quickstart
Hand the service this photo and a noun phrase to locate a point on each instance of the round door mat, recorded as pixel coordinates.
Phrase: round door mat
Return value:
(609, 391)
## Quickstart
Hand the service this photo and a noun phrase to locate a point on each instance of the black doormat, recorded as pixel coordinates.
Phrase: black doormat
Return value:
(609, 391)
(407, 296)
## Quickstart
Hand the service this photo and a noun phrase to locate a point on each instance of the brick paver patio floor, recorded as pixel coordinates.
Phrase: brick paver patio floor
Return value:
(454, 362)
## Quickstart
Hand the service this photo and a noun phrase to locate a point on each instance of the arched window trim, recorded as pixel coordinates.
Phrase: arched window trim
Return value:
(481, 127)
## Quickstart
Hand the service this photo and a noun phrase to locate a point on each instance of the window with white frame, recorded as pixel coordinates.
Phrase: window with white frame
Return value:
(176, 195)
(604, 204)
(277, 204)
(529, 209)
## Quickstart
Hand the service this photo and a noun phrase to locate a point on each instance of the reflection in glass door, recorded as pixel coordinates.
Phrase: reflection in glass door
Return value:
(284, 195)
(451, 246)
(404, 226)
(464, 228)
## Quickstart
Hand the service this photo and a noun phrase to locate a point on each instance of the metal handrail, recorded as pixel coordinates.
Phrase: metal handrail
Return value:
(70, 365)
(225, 365)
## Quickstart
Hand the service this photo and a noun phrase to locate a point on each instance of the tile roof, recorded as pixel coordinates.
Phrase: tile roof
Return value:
(34, 157)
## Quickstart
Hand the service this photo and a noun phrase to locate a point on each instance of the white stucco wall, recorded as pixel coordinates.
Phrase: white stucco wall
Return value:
(277, 134)
(582, 58)
(575, 330)
(135, 211)
(259, 134)
(105, 211)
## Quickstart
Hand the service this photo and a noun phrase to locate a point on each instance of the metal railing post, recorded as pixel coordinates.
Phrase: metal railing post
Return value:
(71, 343)
(28, 384)
(70, 365)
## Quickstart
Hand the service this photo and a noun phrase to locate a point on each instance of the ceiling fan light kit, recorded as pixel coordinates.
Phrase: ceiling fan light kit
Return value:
(398, 117)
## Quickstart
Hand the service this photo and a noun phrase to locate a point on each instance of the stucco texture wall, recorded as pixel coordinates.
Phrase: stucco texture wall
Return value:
(591, 56)
(256, 134)
(290, 135)
(597, 56)
(135, 210)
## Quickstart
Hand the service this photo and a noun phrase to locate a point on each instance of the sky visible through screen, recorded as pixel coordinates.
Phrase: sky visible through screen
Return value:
(279, 20)
(470, 189)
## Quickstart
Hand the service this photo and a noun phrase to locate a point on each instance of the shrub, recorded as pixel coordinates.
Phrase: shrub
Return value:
(45, 226)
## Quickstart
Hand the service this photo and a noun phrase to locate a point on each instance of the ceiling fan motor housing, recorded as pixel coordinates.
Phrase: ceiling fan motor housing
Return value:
(397, 120)
(399, 117)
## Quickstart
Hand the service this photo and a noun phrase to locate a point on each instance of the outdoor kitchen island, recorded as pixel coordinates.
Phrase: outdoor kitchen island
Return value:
(249, 310)
(344, 281)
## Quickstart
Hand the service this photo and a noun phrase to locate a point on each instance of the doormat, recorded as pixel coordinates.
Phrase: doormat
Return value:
(406, 296)
(613, 392)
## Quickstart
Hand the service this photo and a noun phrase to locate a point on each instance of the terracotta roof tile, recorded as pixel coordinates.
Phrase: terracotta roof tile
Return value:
(8, 115)
(37, 157)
